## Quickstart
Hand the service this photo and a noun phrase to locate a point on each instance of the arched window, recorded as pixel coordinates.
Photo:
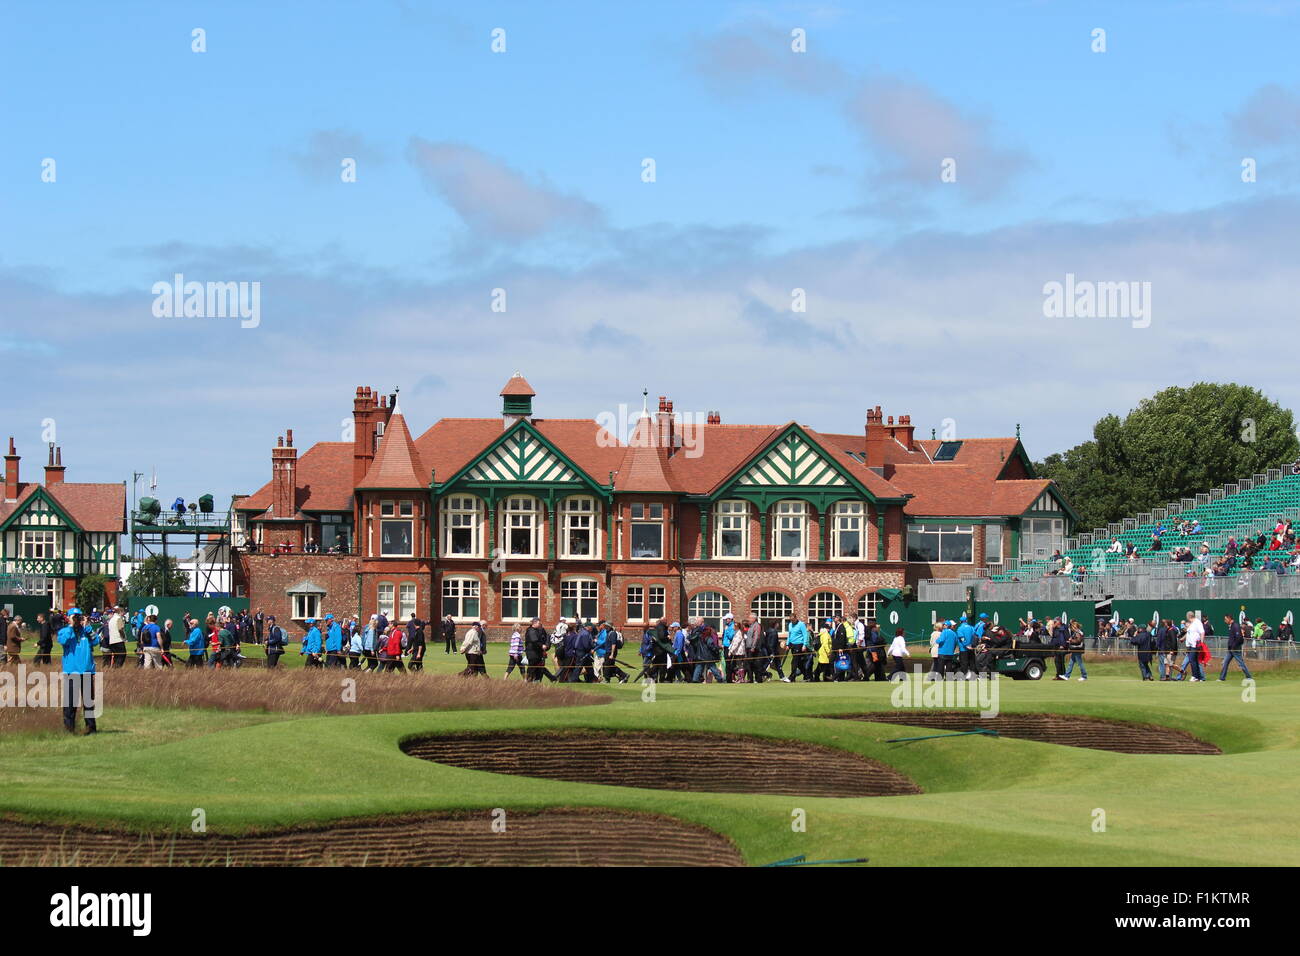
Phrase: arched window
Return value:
(460, 598)
(580, 597)
(462, 526)
(773, 606)
(521, 531)
(849, 531)
(822, 605)
(868, 605)
(789, 529)
(710, 605)
(579, 527)
(731, 529)
(521, 599)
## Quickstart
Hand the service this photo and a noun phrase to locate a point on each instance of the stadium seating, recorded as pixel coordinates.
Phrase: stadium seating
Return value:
(1241, 510)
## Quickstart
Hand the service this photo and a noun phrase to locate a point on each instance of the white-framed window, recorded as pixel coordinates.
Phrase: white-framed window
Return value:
(635, 603)
(940, 543)
(460, 598)
(396, 529)
(731, 529)
(38, 545)
(305, 605)
(462, 526)
(1040, 537)
(580, 597)
(386, 595)
(773, 606)
(710, 605)
(521, 529)
(789, 529)
(993, 544)
(848, 529)
(822, 605)
(647, 530)
(655, 605)
(868, 605)
(521, 599)
(579, 526)
(406, 601)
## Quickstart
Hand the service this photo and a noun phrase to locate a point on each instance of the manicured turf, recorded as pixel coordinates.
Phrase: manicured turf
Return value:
(986, 800)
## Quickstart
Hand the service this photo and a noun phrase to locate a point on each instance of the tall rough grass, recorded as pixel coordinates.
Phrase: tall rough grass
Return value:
(300, 692)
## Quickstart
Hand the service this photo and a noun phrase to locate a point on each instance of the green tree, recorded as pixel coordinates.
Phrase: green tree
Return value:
(90, 591)
(1178, 442)
(154, 578)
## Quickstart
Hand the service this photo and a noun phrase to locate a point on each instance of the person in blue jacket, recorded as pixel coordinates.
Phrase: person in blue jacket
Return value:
(79, 643)
(333, 643)
(948, 648)
(195, 642)
(966, 648)
(311, 643)
(796, 638)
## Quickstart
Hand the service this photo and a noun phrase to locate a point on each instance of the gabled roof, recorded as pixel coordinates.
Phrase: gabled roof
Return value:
(987, 455)
(452, 443)
(92, 506)
(397, 462)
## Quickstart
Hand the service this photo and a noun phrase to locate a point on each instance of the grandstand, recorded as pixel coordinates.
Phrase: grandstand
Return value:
(1242, 509)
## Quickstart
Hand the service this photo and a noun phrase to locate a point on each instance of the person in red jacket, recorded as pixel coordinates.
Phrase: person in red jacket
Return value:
(392, 656)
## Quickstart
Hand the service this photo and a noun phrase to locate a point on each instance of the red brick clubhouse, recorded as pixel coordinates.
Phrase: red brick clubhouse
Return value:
(506, 518)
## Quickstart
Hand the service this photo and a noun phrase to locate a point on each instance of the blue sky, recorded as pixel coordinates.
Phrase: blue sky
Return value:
(521, 170)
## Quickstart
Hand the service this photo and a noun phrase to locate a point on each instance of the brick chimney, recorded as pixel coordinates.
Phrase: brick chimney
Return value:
(284, 477)
(877, 435)
(54, 468)
(904, 432)
(715, 418)
(11, 472)
(665, 426)
(365, 414)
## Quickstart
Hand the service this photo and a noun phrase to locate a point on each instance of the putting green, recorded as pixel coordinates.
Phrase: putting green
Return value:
(985, 800)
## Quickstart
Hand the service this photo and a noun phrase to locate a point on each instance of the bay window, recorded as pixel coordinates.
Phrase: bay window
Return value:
(578, 527)
(848, 524)
(462, 523)
(789, 528)
(731, 533)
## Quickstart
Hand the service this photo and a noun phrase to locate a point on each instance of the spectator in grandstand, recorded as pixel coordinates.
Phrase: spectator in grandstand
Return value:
(1057, 562)
(1143, 644)
(1285, 632)
(1116, 546)
(1236, 641)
